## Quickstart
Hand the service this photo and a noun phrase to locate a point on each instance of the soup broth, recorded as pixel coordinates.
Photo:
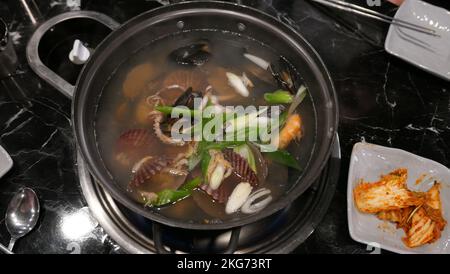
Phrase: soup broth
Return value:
(127, 136)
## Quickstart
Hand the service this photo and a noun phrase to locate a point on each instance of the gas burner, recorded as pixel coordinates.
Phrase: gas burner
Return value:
(279, 233)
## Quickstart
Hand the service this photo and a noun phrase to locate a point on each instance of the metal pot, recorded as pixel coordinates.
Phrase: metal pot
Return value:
(142, 29)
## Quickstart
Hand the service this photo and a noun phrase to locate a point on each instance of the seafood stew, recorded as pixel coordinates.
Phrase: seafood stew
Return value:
(198, 180)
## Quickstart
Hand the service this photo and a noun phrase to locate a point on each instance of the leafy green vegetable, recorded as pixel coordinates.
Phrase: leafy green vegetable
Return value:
(265, 147)
(168, 110)
(283, 157)
(220, 145)
(191, 185)
(206, 158)
(245, 133)
(283, 118)
(278, 97)
(246, 152)
(263, 125)
(261, 128)
(197, 157)
(169, 196)
(210, 132)
(234, 124)
(193, 161)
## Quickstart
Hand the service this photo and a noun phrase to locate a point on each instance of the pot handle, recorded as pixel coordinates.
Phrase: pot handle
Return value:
(33, 47)
(160, 249)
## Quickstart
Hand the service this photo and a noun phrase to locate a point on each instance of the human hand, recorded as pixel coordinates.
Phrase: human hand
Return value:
(396, 2)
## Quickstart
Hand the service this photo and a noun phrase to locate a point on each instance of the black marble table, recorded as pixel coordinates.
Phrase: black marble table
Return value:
(382, 99)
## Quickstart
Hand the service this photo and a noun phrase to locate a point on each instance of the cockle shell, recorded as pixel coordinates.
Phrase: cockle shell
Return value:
(145, 168)
(241, 167)
(134, 138)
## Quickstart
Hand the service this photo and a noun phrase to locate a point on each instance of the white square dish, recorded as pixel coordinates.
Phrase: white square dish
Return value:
(428, 52)
(368, 162)
(5, 162)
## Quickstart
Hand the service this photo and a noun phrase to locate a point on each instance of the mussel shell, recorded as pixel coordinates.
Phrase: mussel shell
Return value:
(192, 55)
(285, 75)
(187, 98)
(197, 59)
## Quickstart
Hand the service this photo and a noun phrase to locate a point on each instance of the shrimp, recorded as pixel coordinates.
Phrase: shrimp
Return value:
(292, 130)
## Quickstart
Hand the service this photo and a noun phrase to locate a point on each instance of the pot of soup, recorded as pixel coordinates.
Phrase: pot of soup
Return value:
(157, 115)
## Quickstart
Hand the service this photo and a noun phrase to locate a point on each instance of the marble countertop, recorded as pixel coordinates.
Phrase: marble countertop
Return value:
(382, 100)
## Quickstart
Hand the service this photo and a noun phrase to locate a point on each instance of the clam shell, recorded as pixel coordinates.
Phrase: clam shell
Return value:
(134, 138)
(146, 168)
(130, 144)
(241, 167)
(136, 80)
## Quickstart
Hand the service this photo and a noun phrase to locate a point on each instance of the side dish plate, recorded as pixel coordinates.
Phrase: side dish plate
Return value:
(427, 52)
(5, 162)
(368, 162)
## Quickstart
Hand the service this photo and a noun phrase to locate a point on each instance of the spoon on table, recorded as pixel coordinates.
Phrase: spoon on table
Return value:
(22, 214)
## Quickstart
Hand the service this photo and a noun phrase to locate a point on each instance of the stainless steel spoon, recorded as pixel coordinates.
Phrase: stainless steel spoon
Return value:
(22, 214)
